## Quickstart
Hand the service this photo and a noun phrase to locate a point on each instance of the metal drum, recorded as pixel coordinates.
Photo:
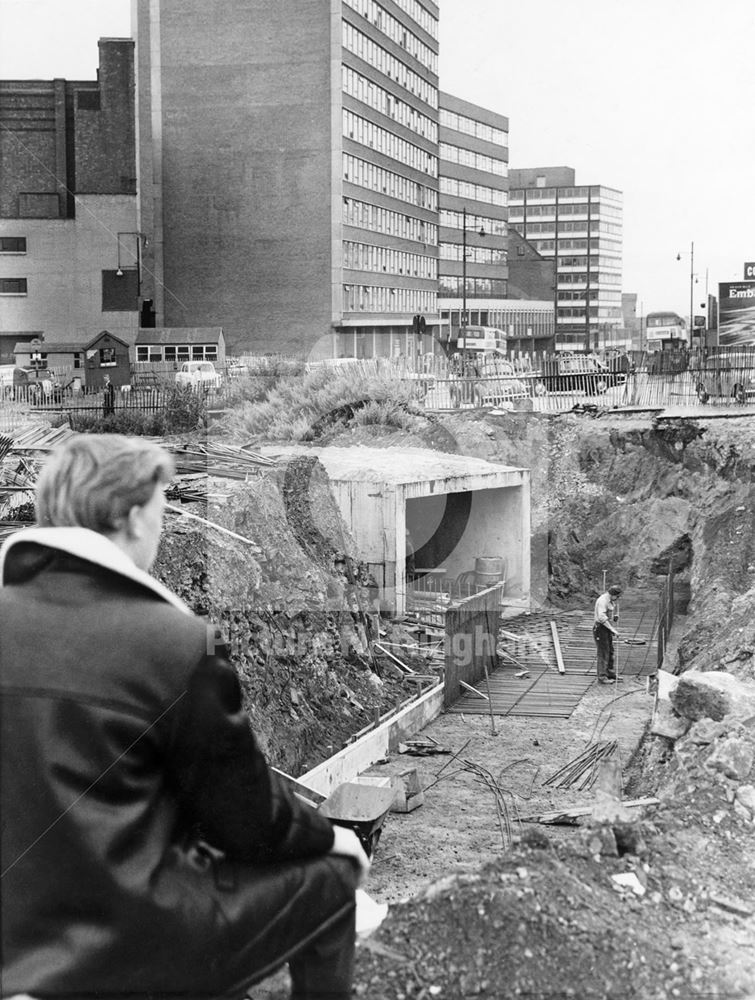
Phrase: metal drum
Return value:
(488, 570)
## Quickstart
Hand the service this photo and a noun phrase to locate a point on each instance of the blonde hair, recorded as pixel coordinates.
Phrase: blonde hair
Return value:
(93, 481)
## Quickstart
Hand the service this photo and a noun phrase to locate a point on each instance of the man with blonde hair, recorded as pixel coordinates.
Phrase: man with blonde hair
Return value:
(147, 849)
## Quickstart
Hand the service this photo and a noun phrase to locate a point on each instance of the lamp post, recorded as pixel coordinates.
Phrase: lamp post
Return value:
(463, 323)
(691, 288)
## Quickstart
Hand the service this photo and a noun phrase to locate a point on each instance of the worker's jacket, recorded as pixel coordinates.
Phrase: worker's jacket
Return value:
(122, 739)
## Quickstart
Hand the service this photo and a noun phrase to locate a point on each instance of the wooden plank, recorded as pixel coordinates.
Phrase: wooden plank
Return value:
(557, 647)
(569, 814)
(473, 690)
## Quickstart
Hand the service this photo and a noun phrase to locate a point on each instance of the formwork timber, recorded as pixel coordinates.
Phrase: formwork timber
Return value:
(527, 681)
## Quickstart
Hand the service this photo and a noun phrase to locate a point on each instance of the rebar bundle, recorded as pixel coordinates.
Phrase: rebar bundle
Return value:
(582, 772)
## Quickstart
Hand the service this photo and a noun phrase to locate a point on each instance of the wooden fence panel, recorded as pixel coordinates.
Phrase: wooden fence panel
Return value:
(471, 640)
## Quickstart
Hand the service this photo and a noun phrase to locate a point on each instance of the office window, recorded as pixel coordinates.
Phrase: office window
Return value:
(107, 357)
(13, 286)
(12, 244)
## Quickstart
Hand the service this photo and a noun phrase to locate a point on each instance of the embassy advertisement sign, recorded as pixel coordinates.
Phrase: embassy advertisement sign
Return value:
(736, 313)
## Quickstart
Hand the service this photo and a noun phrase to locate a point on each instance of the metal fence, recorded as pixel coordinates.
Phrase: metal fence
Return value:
(541, 382)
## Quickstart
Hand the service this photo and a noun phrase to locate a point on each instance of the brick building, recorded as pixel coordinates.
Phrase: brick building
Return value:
(69, 241)
(289, 171)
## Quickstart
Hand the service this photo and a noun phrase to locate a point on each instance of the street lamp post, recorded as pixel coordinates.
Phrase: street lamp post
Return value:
(691, 288)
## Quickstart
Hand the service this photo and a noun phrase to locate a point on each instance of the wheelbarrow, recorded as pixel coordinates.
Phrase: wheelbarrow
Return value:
(361, 808)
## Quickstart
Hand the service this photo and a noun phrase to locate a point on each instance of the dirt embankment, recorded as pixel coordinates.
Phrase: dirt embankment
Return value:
(294, 613)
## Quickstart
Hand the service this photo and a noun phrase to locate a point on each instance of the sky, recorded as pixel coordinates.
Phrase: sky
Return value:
(653, 97)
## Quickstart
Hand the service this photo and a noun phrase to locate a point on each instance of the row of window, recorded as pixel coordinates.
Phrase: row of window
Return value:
(385, 142)
(381, 220)
(476, 288)
(468, 158)
(593, 294)
(581, 261)
(377, 298)
(562, 193)
(569, 312)
(365, 257)
(597, 276)
(376, 178)
(565, 227)
(461, 123)
(420, 14)
(396, 31)
(543, 246)
(516, 322)
(13, 286)
(363, 47)
(597, 208)
(364, 90)
(455, 220)
(477, 255)
(12, 244)
(177, 352)
(474, 192)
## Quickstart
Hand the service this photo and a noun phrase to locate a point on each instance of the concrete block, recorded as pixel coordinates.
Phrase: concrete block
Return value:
(409, 795)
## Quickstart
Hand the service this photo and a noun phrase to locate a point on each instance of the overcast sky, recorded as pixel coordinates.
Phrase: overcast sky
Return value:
(653, 97)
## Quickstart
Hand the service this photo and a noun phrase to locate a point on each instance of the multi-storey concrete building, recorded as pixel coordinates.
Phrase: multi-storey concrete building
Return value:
(288, 170)
(580, 227)
(474, 238)
(69, 240)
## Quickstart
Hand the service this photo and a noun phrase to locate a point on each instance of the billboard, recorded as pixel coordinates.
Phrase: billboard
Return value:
(736, 313)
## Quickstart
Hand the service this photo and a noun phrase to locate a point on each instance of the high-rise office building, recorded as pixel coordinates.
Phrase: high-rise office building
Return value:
(580, 227)
(288, 167)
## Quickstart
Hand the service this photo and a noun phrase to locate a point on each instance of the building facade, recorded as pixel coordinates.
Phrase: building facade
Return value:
(580, 228)
(68, 211)
(474, 184)
(288, 171)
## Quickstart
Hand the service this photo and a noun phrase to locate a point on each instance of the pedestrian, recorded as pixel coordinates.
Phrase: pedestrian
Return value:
(604, 633)
(147, 848)
(108, 404)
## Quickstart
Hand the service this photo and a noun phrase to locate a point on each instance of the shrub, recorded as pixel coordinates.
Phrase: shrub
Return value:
(304, 408)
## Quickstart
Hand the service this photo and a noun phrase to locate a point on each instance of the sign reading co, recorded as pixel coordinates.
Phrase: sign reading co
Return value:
(750, 271)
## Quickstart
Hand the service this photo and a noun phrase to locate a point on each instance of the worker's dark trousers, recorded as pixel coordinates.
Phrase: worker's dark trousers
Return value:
(606, 652)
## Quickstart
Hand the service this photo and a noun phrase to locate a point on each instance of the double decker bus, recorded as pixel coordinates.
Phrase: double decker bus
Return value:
(665, 331)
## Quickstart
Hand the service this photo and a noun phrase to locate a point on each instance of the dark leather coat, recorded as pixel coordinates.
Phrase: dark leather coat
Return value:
(122, 735)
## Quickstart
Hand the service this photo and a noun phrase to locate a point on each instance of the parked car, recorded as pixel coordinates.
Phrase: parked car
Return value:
(236, 369)
(499, 383)
(198, 375)
(731, 376)
(578, 373)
